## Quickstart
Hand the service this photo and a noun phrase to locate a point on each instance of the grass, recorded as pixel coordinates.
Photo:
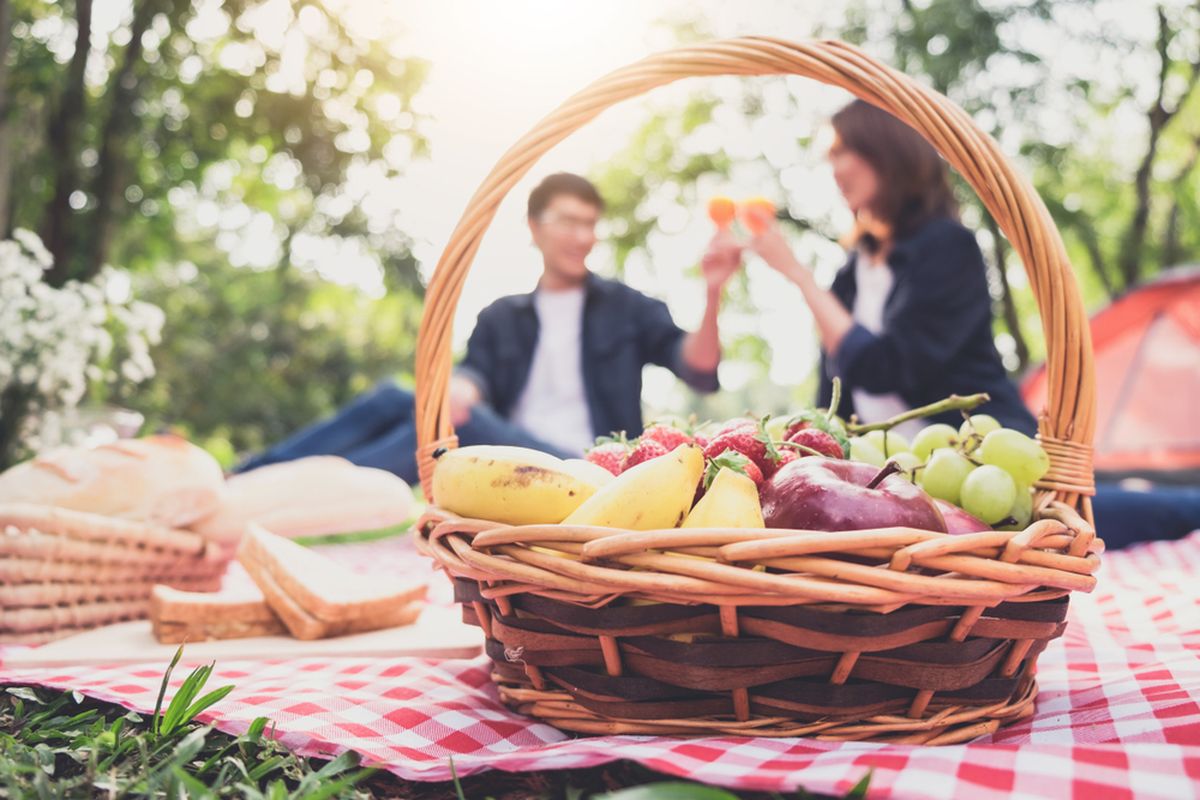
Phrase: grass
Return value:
(64, 745)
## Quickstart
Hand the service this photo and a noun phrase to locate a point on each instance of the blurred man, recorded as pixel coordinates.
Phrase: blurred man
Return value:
(551, 369)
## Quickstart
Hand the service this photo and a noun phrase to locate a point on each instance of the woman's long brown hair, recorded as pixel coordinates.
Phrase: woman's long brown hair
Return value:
(914, 185)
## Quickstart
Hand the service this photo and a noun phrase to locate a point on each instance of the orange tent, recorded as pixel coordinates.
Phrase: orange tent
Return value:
(1147, 346)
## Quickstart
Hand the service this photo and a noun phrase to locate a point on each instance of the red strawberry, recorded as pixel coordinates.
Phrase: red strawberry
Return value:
(786, 456)
(820, 441)
(794, 428)
(751, 441)
(645, 450)
(735, 461)
(668, 436)
(610, 455)
(732, 425)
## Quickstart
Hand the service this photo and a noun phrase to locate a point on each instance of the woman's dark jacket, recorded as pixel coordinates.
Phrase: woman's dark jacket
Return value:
(937, 335)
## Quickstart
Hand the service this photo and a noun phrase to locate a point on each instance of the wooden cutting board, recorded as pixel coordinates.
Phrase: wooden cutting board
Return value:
(438, 633)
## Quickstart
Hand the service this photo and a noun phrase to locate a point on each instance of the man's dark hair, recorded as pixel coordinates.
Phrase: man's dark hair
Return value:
(563, 183)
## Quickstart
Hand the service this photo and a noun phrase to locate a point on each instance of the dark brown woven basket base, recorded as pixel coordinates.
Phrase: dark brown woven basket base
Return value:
(792, 670)
(942, 724)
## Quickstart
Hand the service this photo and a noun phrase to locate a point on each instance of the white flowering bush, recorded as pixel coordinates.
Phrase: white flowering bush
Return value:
(57, 343)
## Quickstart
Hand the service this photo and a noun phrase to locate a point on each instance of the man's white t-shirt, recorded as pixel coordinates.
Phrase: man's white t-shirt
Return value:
(553, 405)
(873, 278)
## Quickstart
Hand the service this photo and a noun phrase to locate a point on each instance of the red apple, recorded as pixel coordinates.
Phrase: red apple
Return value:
(827, 494)
(959, 521)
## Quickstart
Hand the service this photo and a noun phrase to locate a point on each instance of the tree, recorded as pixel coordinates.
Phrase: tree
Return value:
(222, 141)
(1124, 205)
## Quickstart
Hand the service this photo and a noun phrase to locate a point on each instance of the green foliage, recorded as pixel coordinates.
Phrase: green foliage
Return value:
(1054, 115)
(247, 357)
(653, 166)
(208, 89)
(62, 745)
(218, 167)
(185, 706)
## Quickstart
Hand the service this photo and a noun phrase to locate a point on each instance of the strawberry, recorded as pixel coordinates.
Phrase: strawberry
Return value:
(786, 456)
(668, 436)
(750, 440)
(818, 422)
(794, 427)
(735, 461)
(644, 450)
(731, 425)
(814, 439)
(612, 455)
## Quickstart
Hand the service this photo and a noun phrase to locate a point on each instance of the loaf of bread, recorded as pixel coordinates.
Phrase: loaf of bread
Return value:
(308, 497)
(164, 480)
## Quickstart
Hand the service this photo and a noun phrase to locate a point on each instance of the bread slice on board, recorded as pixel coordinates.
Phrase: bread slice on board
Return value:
(179, 616)
(317, 597)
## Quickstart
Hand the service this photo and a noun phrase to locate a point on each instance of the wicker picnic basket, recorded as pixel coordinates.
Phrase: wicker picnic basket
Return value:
(895, 635)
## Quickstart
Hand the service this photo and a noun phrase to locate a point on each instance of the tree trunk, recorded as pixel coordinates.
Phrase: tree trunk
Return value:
(111, 163)
(1131, 259)
(6, 128)
(1172, 252)
(1088, 236)
(62, 140)
(13, 410)
(1012, 320)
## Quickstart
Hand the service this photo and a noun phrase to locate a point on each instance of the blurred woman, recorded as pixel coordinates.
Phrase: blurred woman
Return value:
(908, 319)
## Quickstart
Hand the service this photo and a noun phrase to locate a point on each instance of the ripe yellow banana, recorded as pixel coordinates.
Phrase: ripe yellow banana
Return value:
(654, 494)
(513, 485)
(589, 472)
(730, 502)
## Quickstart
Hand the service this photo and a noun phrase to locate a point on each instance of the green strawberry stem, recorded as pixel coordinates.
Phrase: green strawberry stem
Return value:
(728, 458)
(952, 403)
(765, 438)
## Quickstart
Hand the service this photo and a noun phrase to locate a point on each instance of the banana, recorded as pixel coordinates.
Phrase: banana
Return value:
(654, 494)
(730, 502)
(513, 485)
(589, 472)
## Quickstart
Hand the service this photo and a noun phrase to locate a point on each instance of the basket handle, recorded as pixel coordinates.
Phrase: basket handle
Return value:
(1066, 425)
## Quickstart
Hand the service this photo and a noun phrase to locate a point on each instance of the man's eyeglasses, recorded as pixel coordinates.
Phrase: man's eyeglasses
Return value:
(568, 222)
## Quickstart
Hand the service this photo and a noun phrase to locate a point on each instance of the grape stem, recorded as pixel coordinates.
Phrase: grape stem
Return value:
(835, 400)
(952, 403)
(808, 451)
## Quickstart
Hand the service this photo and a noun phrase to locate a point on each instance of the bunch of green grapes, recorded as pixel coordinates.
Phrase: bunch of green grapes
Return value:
(983, 468)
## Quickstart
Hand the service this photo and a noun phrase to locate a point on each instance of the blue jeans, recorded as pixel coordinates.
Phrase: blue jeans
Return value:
(1125, 516)
(377, 429)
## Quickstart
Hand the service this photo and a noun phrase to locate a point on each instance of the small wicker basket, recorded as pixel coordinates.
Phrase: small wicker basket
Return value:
(892, 635)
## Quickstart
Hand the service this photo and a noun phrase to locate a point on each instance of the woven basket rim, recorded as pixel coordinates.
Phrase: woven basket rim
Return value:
(1057, 554)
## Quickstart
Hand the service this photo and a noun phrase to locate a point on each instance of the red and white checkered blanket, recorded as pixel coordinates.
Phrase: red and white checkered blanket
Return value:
(1118, 714)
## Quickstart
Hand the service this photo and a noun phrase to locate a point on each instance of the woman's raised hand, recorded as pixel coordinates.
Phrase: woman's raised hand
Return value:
(771, 246)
